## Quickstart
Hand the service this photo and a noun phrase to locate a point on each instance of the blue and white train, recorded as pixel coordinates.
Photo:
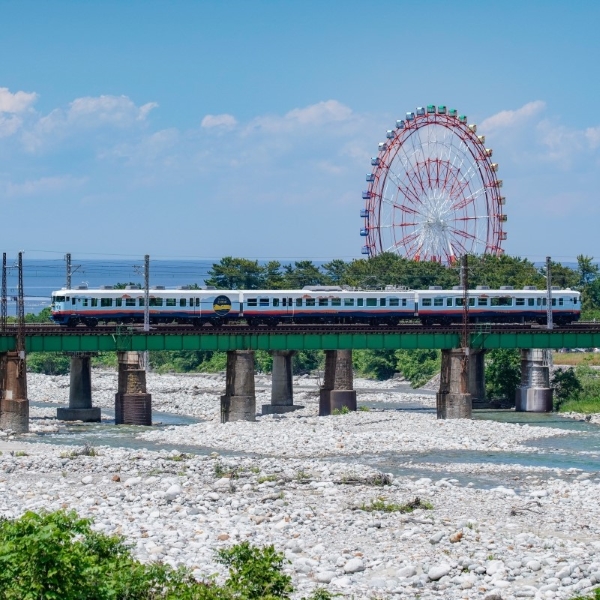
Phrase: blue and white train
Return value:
(313, 304)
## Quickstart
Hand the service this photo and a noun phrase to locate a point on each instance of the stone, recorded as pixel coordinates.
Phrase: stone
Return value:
(456, 537)
(438, 571)
(116, 478)
(436, 538)
(87, 480)
(223, 483)
(324, 576)
(534, 565)
(408, 571)
(354, 565)
(173, 492)
(494, 566)
(222, 537)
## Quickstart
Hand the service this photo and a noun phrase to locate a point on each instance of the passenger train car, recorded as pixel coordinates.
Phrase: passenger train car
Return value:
(318, 304)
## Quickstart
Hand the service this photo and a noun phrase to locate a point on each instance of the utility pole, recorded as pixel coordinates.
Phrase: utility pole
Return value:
(549, 319)
(146, 305)
(3, 301)
(464, 277)
(548, 359)
(68, 261)
(21, 324)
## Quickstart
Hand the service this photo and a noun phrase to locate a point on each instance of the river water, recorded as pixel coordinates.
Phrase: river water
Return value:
(578, 452)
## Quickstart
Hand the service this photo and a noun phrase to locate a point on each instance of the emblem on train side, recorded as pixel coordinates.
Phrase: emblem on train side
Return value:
(222, 305)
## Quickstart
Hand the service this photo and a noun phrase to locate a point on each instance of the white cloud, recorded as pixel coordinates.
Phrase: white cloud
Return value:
(44, 185)
(17, 102)
(224, 120)
(592, 135)
(9, 125)
(510, 118)
(321, 113)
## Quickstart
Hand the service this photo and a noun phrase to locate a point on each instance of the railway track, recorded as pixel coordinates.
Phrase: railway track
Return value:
(51, 329)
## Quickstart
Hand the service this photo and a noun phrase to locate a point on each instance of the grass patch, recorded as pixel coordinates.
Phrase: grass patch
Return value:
(20, 453)
(342, 411)
(87, 450)
(220, 471)
(590, 405)
(574, 359)
(381, 505)
(265, 478)
(178, 457)
(595, 595)
(364, 408)
(302, 476)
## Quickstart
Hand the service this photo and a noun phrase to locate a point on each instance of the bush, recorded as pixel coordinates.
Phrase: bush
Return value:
(566, 386)
(502, 374)
(57, 556)
(418, 366)
(48, 363)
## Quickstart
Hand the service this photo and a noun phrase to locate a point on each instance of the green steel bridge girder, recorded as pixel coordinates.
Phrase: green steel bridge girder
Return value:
(299, 341)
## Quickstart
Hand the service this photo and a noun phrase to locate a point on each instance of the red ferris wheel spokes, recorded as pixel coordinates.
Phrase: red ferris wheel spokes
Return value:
(433, 193)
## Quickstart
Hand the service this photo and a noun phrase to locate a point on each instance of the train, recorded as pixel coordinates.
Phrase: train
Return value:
(311, 305)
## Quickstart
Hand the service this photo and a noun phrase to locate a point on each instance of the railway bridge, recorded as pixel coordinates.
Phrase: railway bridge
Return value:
(462, 385)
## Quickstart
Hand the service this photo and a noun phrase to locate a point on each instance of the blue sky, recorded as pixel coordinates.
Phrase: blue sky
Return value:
(205, 129)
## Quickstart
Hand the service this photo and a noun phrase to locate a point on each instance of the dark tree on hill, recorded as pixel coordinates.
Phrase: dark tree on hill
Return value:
(236, 274)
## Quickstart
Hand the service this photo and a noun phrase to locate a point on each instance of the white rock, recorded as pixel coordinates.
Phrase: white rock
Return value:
(173, 492)
(408, 571)
(438, 571)
(354, 565)
(324, 576)
(87, 480)
(223, 483)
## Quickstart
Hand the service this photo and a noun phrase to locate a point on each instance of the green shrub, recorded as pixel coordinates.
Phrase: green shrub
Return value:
(48, 363)
(256, 573)
(57, 556)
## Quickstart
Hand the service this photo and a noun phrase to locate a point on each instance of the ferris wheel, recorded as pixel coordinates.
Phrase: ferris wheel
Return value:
(433, 191)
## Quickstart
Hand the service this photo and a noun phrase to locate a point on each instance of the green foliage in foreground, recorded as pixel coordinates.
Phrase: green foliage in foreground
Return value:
(57, 556)
(595, 595)
(578, 389)
(417, 366)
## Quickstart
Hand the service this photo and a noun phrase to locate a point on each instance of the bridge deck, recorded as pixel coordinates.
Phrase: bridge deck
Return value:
(51, 338)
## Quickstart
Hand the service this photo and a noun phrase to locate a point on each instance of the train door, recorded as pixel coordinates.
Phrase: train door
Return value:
(287, 308)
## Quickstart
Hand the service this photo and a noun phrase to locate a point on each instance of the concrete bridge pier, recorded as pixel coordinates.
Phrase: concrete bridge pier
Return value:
(133, 406)
(80, 392)
(239, 401)
(14, 405)
(534, 394)
(454, 400)
(337, 391)
(282, 392)
(477, 379)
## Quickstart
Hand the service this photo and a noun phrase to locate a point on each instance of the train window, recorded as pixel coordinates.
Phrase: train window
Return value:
(371, 301)
(67, 298)
(275, 301)
(394, 301)
(85, 302)
(156, 302)
(323, 301)
(182, 302)
(94, 301)
(348, 301)
(105, 301)
(336, 302)
(539, 301)
(251, 302)
(482, 301)
(59, 298)
(530, 301)
(426, 302)
(129, 301)
(403, 301)
(171, 302)
(298, 301)
(575, 300)
(448, 301)
(197, 301)
(118, 302)
(382, 301)
(285, 302)
(520, 301)
(263, 302)
(553, 301)
(310, 302)
(471, 301)
(544, 301)
(140, 303)
(460, 302)
(438, 302)
(561, 301)
(72, 300)
(360, 302)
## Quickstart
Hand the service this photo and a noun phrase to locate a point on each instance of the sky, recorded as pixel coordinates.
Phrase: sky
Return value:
(245, 128)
